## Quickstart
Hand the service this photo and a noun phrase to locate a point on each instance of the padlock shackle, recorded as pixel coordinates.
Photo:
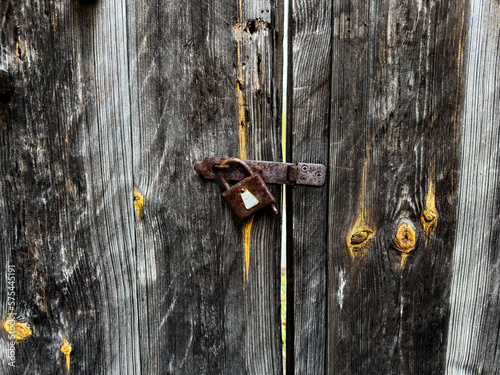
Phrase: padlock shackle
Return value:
(233, 160)
(238, 161)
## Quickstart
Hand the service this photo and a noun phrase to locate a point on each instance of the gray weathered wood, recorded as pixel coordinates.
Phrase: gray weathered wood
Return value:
(389, 116)
(396, 96)
(111, 98)
(308, 119)
(121, 249)
(473, 342)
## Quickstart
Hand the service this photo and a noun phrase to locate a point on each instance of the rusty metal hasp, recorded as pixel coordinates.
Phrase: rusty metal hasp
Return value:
(271, 172)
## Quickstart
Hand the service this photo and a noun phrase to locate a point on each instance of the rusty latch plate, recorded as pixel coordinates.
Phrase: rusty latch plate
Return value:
(271, 172)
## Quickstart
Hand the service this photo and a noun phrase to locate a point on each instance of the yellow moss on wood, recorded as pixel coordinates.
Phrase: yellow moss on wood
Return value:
(66, 350)
(361, 233)
(247, 229)
(429, 216)
(139, 204)
(18, 330)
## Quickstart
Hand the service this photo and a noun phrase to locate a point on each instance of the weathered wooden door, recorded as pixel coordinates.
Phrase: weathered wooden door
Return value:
(396, 262)
(119, 259)
(118, 246)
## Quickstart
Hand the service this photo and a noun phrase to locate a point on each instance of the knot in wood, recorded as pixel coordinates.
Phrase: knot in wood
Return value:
(66, 348)
(359, 239)
(405, 238)
(19, 330)
(360, 236)
(429, 215)
(429, 220)
(139, 204)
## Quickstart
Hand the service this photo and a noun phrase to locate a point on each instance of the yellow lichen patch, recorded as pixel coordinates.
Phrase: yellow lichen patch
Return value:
(405, 239)
(139, 204)
(18, 330)
(430, 216)
(66, 350)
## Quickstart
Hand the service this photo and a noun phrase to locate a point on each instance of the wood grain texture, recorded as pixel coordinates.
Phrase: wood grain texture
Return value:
(473, 344)
(116, 101)
(379, 86)
(308, 120)
(396, 96)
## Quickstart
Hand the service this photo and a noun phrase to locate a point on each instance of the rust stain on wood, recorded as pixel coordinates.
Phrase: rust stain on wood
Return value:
(139, 204)
(66, 350)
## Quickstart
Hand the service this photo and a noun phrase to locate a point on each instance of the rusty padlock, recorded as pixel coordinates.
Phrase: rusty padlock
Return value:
(249, 195)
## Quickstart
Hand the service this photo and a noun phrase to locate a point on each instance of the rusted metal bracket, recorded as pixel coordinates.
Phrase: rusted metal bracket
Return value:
(271, 172)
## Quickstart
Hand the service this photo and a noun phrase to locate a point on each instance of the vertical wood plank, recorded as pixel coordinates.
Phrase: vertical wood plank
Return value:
(393, 76)
(67, 185)
(473, 344)
(308, 119)
(119, 246)
(206, 91)
(396, 96)
(261, 77)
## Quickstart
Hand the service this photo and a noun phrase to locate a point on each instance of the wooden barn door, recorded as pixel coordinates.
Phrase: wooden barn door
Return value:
(119, 259)
(118, 246)
(394, 265)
